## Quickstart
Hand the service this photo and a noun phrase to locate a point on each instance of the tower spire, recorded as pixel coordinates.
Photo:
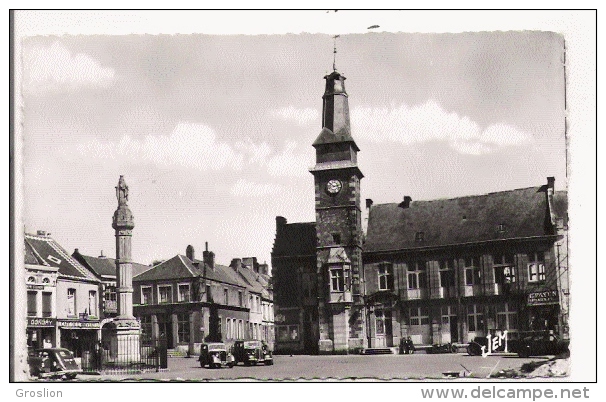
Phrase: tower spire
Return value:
(334, 57)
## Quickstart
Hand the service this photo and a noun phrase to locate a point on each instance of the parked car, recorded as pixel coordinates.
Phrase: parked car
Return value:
(537, 343)
(215, 355)
(252, 352)
(53, 363)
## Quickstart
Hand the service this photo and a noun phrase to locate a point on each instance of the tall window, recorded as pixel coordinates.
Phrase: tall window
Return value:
(184, 292)
(385, 272)
(504, 269)
(92, 303)
(419, 316)
(417, 276)
(32, 303)
(228, 333)
(225, 296)
(447, 312)
(47, 304)
(146, 295)
(380, 322)
(472, 271)
(164, 294)
(475, 318)
(146, 327)
(240, 299)
(337, 279)
(447, 273)
(71, 302)
(507, 317)
(536, 267)
(110, 297)
(183, 327)
(240, 329)
(209, 296)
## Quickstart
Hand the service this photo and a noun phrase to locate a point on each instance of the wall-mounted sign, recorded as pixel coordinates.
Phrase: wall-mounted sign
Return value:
(79, 324)
(35, 287)
(40, 322)
(542, 298)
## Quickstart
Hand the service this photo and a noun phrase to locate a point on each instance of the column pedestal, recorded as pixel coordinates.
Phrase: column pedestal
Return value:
(125, 341)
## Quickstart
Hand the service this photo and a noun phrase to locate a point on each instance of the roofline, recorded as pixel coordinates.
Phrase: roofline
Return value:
(483, 242)
(41, 267)
(295, 256)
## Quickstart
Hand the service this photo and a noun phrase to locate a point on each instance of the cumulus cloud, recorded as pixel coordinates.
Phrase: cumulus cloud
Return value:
(257, 153)
(289, 163)
(298, 115)
(246, 188)
(54, 68)
(430, 122)
(190, 145)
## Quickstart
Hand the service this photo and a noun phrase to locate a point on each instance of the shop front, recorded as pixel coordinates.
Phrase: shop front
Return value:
(543, 310)
(79, 336)
(41, 332)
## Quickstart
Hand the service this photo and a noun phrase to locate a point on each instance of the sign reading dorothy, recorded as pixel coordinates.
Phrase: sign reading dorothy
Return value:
(542, 298)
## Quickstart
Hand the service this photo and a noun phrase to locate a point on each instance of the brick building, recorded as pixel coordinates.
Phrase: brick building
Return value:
(438, 271)
(190, 301)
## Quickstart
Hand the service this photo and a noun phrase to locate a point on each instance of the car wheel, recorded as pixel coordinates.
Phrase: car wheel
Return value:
(247, 363)
(269, 362)
(202, 364)
(230, 365)
(524, 351)
(70, 376)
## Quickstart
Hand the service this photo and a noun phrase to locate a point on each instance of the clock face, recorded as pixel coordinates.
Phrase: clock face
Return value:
(333, 186)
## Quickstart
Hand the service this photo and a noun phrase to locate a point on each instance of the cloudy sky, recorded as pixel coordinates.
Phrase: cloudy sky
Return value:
(213, 133)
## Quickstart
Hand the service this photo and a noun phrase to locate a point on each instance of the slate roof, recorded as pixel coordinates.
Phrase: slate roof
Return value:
(31, 257)
(105, 266)
(52, 254)
(181, 267)
(252, 279)
(295, 239)
(460, 220)
(326, 136)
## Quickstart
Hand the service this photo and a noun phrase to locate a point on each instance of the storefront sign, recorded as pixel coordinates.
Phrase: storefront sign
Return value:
(35, 287)
(40, 322)
(542, 298)
(79, 324)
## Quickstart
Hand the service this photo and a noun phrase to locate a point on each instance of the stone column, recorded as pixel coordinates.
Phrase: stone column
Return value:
(126, 328)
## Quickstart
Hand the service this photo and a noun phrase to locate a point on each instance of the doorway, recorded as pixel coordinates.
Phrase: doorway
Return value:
(454, 329)
(165, 330)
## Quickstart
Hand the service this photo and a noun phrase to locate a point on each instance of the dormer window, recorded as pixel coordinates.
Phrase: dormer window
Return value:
(31, 279)
(501, 228)
(420, 237)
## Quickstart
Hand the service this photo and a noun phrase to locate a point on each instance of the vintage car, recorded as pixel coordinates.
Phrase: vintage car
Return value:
(539, 343)
(53, 363)
(215, 355)
(252, 352)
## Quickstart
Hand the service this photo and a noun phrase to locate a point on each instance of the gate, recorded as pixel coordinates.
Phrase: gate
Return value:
(131, 357)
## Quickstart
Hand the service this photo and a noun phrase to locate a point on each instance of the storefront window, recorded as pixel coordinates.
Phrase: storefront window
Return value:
(146, 327)
(419, 316)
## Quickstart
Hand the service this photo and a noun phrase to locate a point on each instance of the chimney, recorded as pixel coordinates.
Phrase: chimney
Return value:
(76, 251)
(190, 253)
(211, 260)
(368, 203)
(406, 203)
(236, 264)
(100, 256)
(41, 233)
(551, 211)
(280, 223)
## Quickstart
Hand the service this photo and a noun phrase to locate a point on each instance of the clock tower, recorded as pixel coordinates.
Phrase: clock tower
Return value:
(340, 275)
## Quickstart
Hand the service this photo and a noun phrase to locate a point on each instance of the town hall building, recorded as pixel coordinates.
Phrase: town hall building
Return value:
(438, 271)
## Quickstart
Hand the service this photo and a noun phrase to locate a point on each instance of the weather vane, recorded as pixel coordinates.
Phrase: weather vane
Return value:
(334, 58)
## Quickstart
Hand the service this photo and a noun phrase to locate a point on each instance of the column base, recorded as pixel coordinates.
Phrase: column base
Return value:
(125, 342)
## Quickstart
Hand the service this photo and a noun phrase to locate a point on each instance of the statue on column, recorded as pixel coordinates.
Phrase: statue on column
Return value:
(122, 191)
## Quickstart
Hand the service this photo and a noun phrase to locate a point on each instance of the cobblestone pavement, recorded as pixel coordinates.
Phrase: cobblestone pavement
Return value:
(351, 367)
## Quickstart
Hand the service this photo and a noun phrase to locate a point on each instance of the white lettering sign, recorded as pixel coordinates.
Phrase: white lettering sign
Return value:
(495, 343)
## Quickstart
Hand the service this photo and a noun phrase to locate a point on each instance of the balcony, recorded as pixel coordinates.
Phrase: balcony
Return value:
(417, 293)
(445, 292)
(340, 297)
(472, 290)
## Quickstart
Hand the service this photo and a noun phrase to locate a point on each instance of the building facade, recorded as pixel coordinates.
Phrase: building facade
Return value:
(190, 301)
(447, 271)
(70, 306)
(440, 271)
